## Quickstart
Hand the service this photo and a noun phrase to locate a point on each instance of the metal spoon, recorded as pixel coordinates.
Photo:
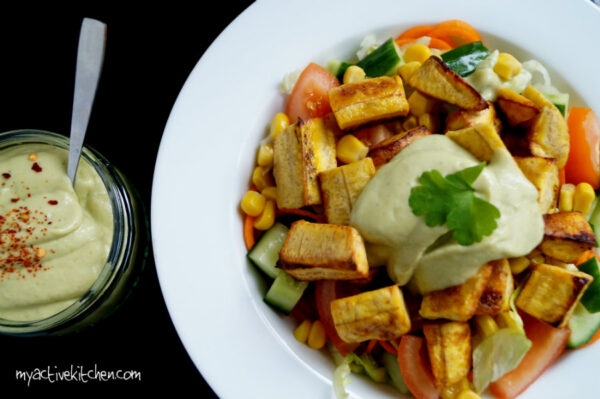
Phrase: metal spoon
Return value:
(90, 55)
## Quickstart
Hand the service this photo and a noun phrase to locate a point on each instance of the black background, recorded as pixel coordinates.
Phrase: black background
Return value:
(149, 54)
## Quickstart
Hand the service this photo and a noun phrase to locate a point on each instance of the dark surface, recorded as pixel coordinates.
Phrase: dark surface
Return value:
(149, 54)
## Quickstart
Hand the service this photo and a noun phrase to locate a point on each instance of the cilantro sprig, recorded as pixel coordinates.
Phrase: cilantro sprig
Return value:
(451, 200)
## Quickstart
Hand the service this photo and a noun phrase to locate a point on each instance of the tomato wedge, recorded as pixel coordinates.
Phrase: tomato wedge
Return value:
(583, 164)
(325, 292)
(415, 369)
(309, 97)
(548, 344)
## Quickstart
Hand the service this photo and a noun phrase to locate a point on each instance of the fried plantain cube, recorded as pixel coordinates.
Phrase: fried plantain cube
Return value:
(548, 135)
(383, 152)
(518, 109)
(480, 140)
(437, 80)
(566, 236)
(300, 152)
(461, 118)
(459, 302)
(380, 314)
(317, 251)
(543, 173)
(551, 293)
(449, 349)
(367, 101)
(497, 292)
(340, 188)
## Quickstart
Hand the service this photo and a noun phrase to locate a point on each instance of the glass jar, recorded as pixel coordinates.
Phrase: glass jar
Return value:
(128, 250)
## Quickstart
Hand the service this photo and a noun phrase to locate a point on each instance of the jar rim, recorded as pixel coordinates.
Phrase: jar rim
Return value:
(121, 240)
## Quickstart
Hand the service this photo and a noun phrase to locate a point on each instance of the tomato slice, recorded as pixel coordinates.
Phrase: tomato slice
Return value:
(309, 97)
(415, 369)
(583, 164)
(325, 292)
(548, 343)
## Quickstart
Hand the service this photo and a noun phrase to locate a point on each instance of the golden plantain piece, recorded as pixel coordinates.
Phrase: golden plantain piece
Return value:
(497, 292)
(461, 118)
(437, 80)
(300, 152)
(383, 152)
(480, 140)
(548, 135)
(367, 101)
(380, 314)
(566, 236)
(340, 188)
(318, 251)
(459, 302)
(551, 293)
(518, 109)
(449, 349)
(543, 173)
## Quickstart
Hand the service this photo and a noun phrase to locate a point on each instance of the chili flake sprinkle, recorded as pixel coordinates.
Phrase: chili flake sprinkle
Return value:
(36, 167)
(17, 227)
(6, 175)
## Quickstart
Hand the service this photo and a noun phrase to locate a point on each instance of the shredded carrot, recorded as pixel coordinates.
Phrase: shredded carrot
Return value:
(401, 41)
(439, 44)
(388, 347)
(455, 32)
(300, 212)
(370, 346)
(587, 255)
(416, 32)
(249, 231)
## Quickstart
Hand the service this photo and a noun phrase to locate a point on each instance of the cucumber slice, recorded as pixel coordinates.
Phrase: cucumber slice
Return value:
(338, 68)
(464, 59)
(583, 325)
(265, 252)
(384, 60)
(390, 362)
(285, 292)
(591, 296)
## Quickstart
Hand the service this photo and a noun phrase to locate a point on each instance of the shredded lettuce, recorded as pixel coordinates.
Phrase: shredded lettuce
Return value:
(340, 380)
(367, 45)
(289, 81)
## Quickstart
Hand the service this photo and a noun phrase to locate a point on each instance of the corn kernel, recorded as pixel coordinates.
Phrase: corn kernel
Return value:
(430, 121)
(417, 52)
(279, 122)
(565, 199)
(452, 391)
(518, 265)
(508, 320)
(301, 332)
(583, 198)
(316, 336)
(535, 252)
(537, 260)
(40, 252)
(468, 395)
(410, 123)
(407, 70)
(555, 262)
(485, 325)
(253, 203)
(265, 155)
(350, 149)
(262, 178)
(507, 66)
(354, 74)
(270, 192)
(420, 104)
(267, 217)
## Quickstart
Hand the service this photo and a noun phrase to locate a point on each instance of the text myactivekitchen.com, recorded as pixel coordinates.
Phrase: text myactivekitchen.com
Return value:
(77, 374)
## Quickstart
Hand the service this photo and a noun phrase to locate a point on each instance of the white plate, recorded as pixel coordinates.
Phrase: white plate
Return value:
(241, 346)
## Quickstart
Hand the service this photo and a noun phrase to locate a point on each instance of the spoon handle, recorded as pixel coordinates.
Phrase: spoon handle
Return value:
(90, 55)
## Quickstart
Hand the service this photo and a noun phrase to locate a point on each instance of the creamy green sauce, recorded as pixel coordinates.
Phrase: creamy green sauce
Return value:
(423, 256)
(54, 240)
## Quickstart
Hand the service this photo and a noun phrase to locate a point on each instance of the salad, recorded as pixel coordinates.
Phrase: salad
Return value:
(426, 212)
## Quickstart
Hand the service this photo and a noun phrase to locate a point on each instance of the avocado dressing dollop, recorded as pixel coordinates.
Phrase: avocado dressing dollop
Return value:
(427, 257)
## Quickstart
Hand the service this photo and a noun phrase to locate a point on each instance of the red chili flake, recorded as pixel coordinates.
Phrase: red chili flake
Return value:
(14, 199)
(53, 202)
(6, 175)
(36, 167)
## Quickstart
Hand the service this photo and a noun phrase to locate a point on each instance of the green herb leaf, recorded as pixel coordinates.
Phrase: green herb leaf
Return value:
(451, 200)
